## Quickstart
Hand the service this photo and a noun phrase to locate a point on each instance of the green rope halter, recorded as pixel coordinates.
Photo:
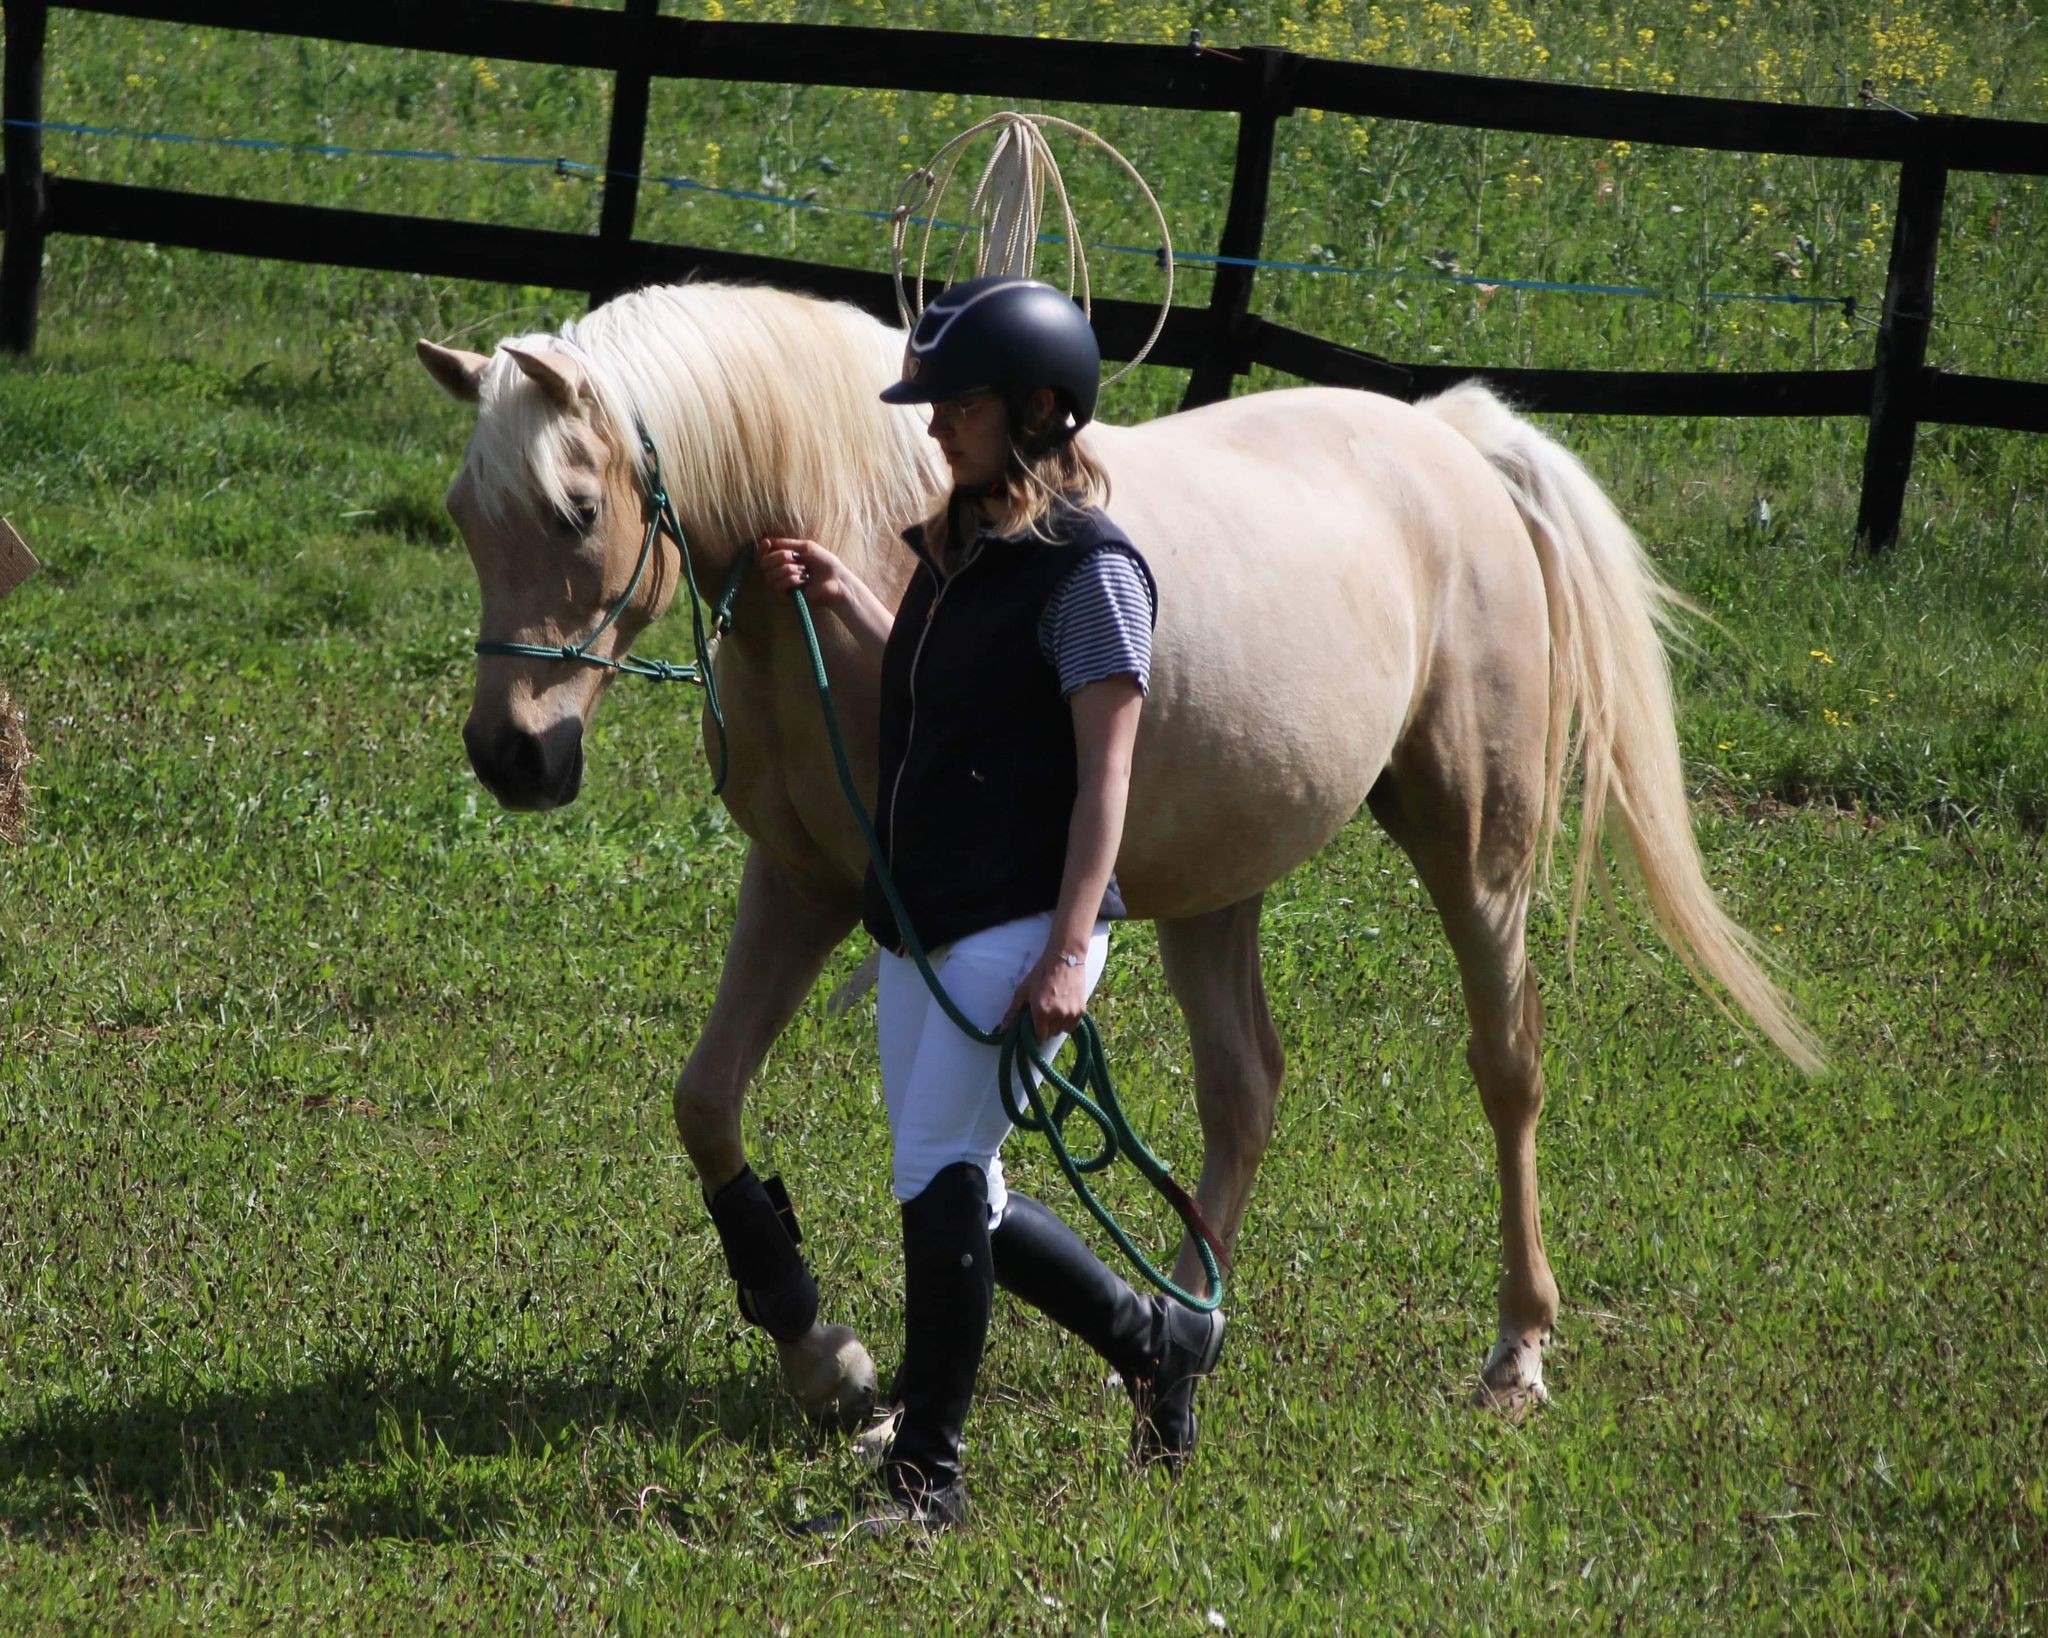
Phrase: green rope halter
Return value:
(661, 519)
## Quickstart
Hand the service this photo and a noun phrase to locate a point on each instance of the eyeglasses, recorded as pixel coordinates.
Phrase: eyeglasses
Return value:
(949, 411)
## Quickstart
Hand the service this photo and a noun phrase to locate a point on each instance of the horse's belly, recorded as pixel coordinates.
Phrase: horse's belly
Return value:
(1232, 791)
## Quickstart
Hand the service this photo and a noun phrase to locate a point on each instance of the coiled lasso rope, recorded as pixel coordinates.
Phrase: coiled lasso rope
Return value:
(1004, 215)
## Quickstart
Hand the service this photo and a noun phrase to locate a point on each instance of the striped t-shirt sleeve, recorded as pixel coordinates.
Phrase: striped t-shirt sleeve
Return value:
(1098, 623)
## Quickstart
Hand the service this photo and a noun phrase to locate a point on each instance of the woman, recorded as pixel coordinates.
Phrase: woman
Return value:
(1013, 674)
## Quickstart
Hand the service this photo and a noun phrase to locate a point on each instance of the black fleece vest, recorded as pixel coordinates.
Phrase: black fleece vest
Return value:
(978, 761)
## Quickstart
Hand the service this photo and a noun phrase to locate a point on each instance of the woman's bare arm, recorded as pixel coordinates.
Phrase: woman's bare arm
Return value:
(1105, 730)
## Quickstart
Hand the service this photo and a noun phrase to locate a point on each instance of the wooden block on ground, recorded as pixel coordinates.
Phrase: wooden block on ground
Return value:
(17, 562)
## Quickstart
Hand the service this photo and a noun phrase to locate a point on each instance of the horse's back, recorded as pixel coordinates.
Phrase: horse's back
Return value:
(1312, 547)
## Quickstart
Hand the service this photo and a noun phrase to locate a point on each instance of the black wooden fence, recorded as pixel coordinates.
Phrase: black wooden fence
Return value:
(1219, 343)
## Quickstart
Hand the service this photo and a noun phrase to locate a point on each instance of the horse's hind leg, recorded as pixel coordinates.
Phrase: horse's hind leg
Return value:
(1212, 966)
(1473, 840)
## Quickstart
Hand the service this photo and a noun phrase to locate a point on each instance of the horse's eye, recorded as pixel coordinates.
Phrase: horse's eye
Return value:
(578, 518)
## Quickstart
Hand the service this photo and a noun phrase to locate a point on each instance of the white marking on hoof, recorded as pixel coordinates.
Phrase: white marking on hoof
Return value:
(1512, 1378)
(830, 1375)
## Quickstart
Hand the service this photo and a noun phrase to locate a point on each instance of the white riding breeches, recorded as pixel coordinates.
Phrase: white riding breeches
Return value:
(940, 1085)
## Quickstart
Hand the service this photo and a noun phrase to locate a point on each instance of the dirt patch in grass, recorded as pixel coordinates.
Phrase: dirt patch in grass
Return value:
(1775, 809)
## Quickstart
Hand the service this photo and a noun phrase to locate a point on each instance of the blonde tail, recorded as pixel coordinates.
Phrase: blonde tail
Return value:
(1608, 613)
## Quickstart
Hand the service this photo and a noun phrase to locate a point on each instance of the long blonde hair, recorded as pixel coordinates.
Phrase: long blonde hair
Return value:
(1042, 474)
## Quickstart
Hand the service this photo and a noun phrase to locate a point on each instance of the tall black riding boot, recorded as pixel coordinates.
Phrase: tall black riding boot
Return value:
(1160, 1348)
(948, 1290)
(1041, 1260)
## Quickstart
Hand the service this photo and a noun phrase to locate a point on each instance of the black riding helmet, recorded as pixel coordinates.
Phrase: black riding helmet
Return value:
(1001, 335)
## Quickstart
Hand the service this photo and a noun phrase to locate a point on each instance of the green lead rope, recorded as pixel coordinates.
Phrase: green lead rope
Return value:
(1089, 1090)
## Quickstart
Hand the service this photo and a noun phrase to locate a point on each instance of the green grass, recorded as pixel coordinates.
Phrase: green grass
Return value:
(350, 1272)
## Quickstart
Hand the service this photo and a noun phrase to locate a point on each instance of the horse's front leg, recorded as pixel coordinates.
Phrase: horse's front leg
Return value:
(780, 941)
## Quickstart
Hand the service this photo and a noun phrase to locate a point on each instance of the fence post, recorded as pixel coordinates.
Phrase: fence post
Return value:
(1244, 226)
(1898, 377)
(625, 151)
(21, 99)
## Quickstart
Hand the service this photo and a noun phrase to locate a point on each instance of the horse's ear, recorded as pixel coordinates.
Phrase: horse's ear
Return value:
(556, 374)
(460, 374)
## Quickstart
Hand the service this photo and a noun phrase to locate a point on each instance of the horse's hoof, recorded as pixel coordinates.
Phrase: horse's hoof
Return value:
(1511, 1380)
(831, 1376)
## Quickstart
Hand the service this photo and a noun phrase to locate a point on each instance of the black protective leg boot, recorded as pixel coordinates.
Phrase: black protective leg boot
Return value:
(758, 1232)
(948, 1290)
(1160, 1348)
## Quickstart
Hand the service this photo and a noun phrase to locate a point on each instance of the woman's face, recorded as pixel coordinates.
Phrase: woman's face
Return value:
(973, 436)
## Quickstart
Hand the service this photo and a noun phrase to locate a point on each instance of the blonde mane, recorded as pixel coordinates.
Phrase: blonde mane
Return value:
(762, 404)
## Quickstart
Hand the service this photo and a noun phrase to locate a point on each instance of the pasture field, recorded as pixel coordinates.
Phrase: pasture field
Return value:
(350, 1273)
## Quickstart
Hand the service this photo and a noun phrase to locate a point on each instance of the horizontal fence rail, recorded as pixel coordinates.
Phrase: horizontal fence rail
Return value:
(331, 236)
(1099, 72)
(1217, 344)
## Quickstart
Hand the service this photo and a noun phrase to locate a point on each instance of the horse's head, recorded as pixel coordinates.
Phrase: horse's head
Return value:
(550, 505)
(764, 407)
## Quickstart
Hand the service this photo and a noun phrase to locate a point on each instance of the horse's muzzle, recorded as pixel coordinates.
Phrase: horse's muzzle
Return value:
(526, 771)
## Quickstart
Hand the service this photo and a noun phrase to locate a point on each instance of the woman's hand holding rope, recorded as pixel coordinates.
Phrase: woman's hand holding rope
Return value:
(790, 563)
(1055, 991)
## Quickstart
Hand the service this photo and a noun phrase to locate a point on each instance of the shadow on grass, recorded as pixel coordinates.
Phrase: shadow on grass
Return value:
(366, 1452)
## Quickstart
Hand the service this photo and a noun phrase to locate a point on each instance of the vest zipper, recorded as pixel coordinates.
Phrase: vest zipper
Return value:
(917, 654)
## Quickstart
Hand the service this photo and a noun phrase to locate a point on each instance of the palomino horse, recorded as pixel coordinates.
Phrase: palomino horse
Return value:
(1360, 602)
